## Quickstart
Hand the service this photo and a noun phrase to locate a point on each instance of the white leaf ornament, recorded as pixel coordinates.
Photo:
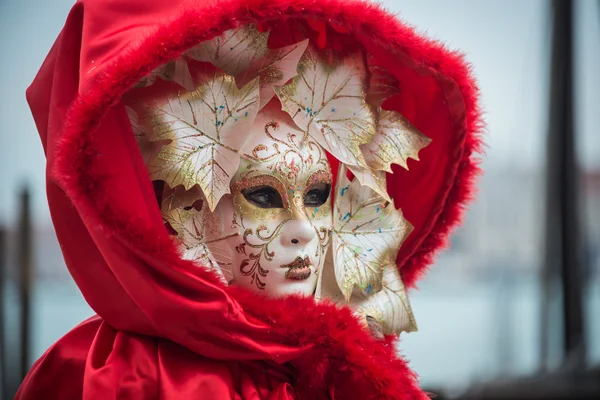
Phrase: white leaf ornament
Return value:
(367, 234)
(205, 130)
(276, 68)
(198, 229)
(234, 51)
(390, 307)
(395, 142)
(328, 104)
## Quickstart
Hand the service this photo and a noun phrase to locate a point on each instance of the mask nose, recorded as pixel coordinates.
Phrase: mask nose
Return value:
(297, 234)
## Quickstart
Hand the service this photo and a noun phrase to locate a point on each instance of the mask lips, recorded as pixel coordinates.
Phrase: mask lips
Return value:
(299, 269)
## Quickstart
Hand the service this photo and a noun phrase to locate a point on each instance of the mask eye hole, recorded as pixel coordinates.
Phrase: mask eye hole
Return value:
(317, 195)
(263, 197)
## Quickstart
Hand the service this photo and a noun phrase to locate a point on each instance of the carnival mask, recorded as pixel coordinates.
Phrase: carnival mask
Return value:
(280, 208)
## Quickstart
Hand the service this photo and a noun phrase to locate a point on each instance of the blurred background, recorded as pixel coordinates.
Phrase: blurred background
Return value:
(511, 310)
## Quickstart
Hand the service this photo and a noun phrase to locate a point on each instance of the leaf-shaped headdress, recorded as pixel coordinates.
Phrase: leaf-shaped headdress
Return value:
(195, 138)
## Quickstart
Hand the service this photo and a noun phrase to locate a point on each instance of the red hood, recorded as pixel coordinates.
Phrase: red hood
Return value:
(126, 265)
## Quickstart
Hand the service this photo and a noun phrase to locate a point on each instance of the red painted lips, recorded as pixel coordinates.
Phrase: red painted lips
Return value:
(298, 270)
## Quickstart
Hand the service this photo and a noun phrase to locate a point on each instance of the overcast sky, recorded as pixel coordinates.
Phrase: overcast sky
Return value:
(507, 42)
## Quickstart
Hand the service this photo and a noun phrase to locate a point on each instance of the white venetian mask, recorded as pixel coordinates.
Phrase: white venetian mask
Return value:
(280, 208)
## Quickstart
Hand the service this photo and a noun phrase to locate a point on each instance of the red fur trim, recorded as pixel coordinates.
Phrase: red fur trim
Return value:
(343, 352)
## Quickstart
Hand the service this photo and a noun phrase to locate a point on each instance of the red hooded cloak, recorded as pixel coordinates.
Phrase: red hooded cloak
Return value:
(165, 328)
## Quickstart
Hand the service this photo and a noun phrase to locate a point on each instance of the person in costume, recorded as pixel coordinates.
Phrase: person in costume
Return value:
(244, 191)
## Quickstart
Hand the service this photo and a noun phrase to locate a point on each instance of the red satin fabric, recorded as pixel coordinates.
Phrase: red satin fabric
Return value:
(119, 365)
(167, 329)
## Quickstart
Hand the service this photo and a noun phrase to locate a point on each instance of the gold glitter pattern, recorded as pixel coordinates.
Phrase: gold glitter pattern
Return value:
(258, 181)
(319, 177)
(202, 129)
(298, 165)
(323, 211)
(244, 207)
(367, 234)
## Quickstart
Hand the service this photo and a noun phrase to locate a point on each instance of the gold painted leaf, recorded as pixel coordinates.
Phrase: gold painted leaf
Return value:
(179, 197)
(176, 71)
(367, 234)
(234, 51)
(328, 104)
(147, 147)
(390, 307)
(382, 85)
(376, 180)
(276, 68)
(198, 229)
(205, 130)
(396, 141)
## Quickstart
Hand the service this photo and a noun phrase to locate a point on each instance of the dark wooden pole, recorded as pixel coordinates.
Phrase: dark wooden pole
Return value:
(563, 246)
(3, 355)
(25, 276)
